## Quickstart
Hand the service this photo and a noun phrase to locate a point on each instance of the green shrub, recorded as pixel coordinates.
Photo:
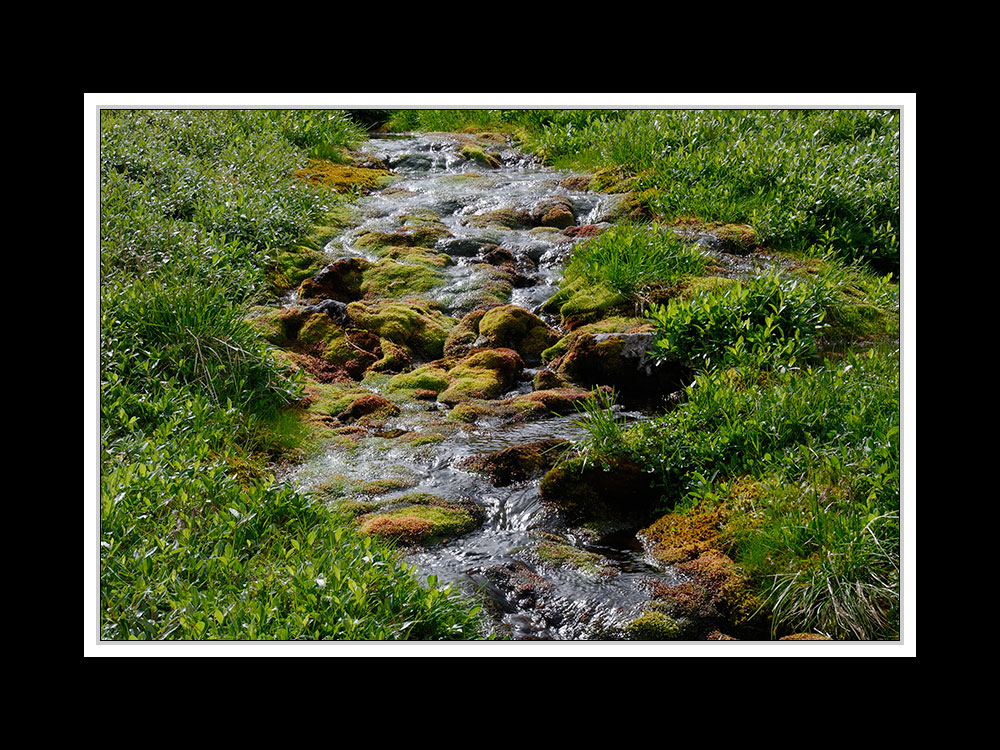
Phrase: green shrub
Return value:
(766, 322)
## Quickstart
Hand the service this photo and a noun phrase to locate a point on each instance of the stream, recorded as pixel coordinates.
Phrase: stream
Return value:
(529, 596)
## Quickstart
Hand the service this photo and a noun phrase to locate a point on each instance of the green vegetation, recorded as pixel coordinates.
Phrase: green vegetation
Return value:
(628, 258)
(197, 541)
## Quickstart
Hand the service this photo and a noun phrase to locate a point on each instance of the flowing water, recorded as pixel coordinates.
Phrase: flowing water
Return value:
(530, 598)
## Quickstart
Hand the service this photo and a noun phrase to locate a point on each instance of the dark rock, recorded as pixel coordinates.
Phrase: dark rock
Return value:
(336, 310)
(339, 281)
(621, 360)
(553, 212)
(370, 404)
(617, 494)
(463, 247)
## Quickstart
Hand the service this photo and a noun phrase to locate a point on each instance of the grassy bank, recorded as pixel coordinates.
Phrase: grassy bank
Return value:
(788, 438)
(197, 540)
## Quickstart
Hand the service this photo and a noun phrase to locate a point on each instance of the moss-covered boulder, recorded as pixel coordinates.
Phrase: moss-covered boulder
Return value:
(343, 178)
(480, 156)
(416, 324)
(405, 277)
(295, 263)
(543, 403)
(484, 374)
(554, 211)
(370, 407)
(513, 327)
(676, 537)
(580, 301)
(429, 379)
(620, 360)
(463, 336)
(422, 519)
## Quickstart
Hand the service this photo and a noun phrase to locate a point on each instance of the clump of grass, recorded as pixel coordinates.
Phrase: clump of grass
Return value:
(628, 257)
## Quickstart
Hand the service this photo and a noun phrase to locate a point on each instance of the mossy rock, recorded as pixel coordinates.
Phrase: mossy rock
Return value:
(679, 536)
(422, 519)
(341, 281)
(429, 378)
(517, 463)
(653, 625)
(463, 336)
(621, 360)
(736, 239)
(546, 402)
(508, 218)
(397, 279)
(554, 552)
(478, 155)
(731, 592)
(416, 324)
(554, 212)
(580, 301)
(614, 324)
(343, 178)
(484, 374)
(513, 327)
(295, 264)
(369, 408)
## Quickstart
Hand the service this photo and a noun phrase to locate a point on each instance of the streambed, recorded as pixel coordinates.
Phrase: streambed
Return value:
(542, 578)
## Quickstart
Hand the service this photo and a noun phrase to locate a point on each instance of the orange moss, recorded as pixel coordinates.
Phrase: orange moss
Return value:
(684, 535)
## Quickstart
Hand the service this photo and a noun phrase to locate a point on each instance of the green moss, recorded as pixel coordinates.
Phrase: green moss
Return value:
(424, 519)
(515, 328)
(426, 378)
(395, 357)
(484, 374)
(476, 153)
(385, 486)
(416, 324)
(580, 301)
(295, 264)
(614, 324)
(397, 279)
(342, 178)
(555, 552)
(737, 239)
(653, 626)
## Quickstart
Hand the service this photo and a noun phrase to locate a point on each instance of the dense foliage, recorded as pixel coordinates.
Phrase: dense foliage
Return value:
(197, 540)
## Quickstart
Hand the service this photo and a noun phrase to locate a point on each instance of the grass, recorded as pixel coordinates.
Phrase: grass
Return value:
(197, 540)
(629, 257)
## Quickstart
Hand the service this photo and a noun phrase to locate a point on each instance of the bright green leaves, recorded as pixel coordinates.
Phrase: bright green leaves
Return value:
(767, 323)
